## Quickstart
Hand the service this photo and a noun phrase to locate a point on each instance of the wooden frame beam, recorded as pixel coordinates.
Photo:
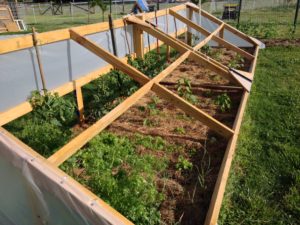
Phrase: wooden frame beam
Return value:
(75, 144)
(25, 107)
(19, 43)
(218, 21)
(182, 47)
(214, 37)
(110, 58)
(193, 110)
(187, 52)
(209, 37)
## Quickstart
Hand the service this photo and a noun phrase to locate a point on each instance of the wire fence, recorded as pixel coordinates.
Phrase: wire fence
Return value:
(260, 18)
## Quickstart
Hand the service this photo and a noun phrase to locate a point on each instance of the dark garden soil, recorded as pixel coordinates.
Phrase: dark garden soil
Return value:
(188, 192)
(281, 42)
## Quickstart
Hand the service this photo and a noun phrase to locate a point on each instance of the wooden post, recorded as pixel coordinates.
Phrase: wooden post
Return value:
(157, 40)
(168, 46)
(138, 41)
(79, 101)
(189, 36)
(35, 43)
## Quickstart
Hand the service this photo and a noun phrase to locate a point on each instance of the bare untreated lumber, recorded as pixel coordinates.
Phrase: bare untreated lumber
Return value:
(218, 21)
(193, 111)
(110, 58)
(182, 47)
(217, 197)
(208, 38)
(75, 144)
(214, 37)
(19, 43)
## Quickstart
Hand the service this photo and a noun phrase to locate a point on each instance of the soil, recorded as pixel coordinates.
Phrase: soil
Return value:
(187, 200)
(187, 192)
(281, 42)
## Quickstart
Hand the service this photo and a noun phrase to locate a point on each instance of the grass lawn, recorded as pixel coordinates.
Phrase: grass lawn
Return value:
(264, 185)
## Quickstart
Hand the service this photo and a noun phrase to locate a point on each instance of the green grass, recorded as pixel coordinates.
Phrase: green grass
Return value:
(264, 185)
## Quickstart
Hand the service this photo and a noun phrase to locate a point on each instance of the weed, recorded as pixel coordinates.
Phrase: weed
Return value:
(149, 123)
(184, 90)
(183, 164)
(207, 50)
(204, 169)
(237, 62)
(152, 106)
(179, 130)
(224, 102)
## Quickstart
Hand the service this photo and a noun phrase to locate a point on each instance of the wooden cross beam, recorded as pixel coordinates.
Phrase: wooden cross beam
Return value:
(75, 144)
(213, 37)
(180, 46)
(219, 22)
(208, 38)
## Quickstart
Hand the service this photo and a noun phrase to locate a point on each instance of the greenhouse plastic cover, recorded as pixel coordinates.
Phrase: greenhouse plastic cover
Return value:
(66, 61)
(32, 192)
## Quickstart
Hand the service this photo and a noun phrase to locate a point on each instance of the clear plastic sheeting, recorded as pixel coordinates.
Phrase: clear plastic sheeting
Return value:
(33, 192)
(173, 25)
(62, 62)
(211, 26)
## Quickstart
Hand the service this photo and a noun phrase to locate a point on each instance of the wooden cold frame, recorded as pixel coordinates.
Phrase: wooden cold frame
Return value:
(140, 25)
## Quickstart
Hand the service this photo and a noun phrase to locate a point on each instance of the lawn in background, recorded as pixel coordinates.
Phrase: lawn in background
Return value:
(264, 184)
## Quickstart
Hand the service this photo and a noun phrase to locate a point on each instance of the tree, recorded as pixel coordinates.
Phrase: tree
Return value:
(102, 5)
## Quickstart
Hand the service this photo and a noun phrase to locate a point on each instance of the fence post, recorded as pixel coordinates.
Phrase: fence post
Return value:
(296, 14)
(240, 8)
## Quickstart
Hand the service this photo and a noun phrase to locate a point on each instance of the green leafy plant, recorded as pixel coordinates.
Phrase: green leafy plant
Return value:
(152, 106)
(151, 65)
(179, 130)
(206, 49)
(47, 127)
(52, 108)
(125, 179)
(103, 94)
(183, 163)
(237, 62)
(184, 90)
(224, 102)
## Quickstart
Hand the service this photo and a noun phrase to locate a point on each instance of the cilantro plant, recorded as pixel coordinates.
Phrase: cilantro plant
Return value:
(118, 173)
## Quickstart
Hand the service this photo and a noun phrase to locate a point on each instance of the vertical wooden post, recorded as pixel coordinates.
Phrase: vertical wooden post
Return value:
(138, 40)
(168, 46)
(157, 40)
(189, 36)
(35, 43)
(79, 101)
(221, 35)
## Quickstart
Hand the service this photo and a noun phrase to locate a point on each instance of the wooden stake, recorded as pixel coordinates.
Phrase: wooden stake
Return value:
(79, 100)
(35, 43)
